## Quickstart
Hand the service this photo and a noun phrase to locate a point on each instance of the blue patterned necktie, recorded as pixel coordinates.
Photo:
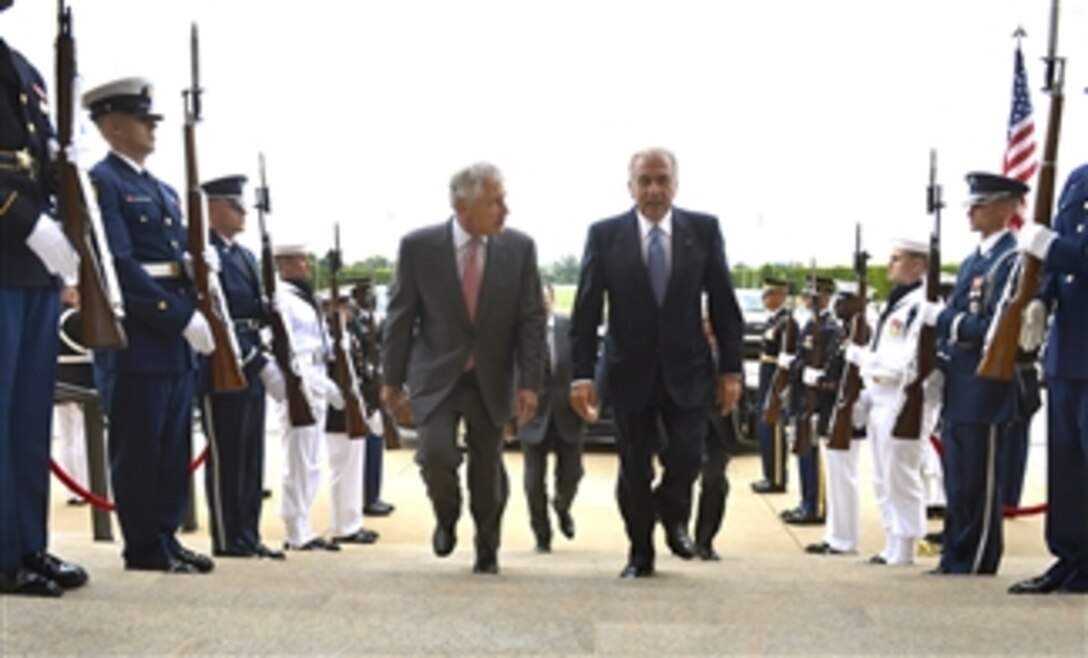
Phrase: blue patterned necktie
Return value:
(655, 263)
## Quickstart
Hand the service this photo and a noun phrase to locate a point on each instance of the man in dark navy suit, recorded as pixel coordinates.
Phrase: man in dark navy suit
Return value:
(234, 421)
(976, 411)
(555, 428)
(34, 256)
(653, 264)
(153, 380)
(1064, 253)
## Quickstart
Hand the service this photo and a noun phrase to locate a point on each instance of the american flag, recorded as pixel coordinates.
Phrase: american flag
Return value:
(1020, 159)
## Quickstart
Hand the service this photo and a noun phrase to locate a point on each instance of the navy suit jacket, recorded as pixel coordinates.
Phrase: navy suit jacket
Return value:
(962, 328)
(642, 338)
(143, 223)
(1065, 286)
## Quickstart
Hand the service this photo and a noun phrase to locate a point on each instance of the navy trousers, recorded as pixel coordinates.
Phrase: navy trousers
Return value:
(973, 537)
(28, 365)
(773, 450)
(372, 469)
(1067, 482)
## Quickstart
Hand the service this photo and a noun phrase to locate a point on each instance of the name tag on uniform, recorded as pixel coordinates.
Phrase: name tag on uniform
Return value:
(137, 198)
(895, 327)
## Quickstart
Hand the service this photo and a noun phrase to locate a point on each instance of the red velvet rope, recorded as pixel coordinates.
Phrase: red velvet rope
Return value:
(1008, 511)
(98, 501)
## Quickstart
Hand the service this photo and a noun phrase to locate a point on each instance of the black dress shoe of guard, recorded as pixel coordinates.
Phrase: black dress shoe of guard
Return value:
(566, 522)
(1037, 585)
(360, 536)
(233, 552)
(169, 565)
(707, 553)
(444, 540)
(823, 548)
(315, 544)
(793, 511)
(202, 563)
(65, 574)
(934, 537)
(543, 545)
(877, 560)
(935, 512)
(263, 550)
(486, 563)
(679, 541)
(938, 571)
(767, 487)
(800, 517)
(637, 571)
(378, 508)
(25, 582)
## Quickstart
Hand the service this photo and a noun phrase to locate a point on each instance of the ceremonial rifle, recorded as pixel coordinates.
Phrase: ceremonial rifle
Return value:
(842, 418)
(1003, 338)
(101, 308)
(299, 410)
(908, 424)
(226, 367)
(343, 368)
(810, 400)
(778, 389)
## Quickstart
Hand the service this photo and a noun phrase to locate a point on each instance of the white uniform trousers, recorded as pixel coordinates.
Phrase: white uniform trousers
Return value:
(345, 484)
(843, 527)
(897, 476)
(69, 441)
(302, 466)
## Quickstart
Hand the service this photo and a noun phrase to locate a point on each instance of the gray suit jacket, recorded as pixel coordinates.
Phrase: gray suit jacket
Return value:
(554, 401)
(428, 335)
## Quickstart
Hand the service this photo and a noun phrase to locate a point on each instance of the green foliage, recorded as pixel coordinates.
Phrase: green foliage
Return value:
(562, 271)
(798, 274)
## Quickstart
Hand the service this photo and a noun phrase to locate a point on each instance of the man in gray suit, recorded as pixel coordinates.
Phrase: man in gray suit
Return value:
(555, 427)
(465, 318)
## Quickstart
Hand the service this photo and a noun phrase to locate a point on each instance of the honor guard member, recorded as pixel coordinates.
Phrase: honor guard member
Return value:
(305, 322)
(772, 438)
(887, 365)
(976, 411)
(153, 380)
(234, 421)
(33, 252)
(1064, 253)
(822, 326)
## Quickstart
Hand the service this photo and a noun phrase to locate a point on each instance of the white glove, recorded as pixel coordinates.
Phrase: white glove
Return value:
(929, 312)
(374, 423)
(860, 415)
(332, 393)
(273, 381)
(811, 376)
(1035, 239)
(211, 257)
(199, 334)
(784, 360)
(856, 354)
(1033, 325)
(51, 246)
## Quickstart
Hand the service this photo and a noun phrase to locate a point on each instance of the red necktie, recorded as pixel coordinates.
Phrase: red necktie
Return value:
(470, 278)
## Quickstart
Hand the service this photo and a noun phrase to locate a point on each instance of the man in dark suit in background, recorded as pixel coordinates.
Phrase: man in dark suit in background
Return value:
(653, 263)
(555, 427)
(464, 329)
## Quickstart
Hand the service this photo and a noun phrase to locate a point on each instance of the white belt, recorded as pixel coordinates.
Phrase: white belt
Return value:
(170, 270)
(881, 380)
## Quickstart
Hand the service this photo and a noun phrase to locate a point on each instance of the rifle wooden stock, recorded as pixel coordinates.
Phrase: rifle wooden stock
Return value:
(343, 367)
(225, 365)
(999, 356)
(99, 324)
(389, 430)
(842, 419)
(776, 392)
(810, 405)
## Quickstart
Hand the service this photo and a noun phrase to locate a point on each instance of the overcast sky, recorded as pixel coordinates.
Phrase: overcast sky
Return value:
(792, 120)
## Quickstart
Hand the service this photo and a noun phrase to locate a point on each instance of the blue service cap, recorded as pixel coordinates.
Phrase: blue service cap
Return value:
(985, 188)
(226, 188)
(127, 95)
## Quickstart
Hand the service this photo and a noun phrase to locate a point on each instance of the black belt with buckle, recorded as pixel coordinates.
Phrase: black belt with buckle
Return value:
(20, 162)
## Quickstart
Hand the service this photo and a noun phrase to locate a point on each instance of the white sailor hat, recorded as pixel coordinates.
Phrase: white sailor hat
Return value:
(291, 249)
(127, 95)
(910, 244)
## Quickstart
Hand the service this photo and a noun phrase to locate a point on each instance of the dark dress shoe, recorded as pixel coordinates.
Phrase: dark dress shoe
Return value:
(566, 522)
(202, 563)
(266, 493)
(233, 552)
(707, 554)
(543, 546)
(938, 571)
(26, 582)
(680, 542)
(360, 536)
(486, 564)
(262, 550)
(637, 571)
(378, 508)
(315, 544)
(65, 574)
(443, 541)
(935, 512)
(877, 560)
(169, 565)
(823, 548)
(767, 487)
(1037, 585)
(800, 517)
(934, 537)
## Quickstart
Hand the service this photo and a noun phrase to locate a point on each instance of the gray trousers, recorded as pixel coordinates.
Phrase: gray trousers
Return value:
(568, 473)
